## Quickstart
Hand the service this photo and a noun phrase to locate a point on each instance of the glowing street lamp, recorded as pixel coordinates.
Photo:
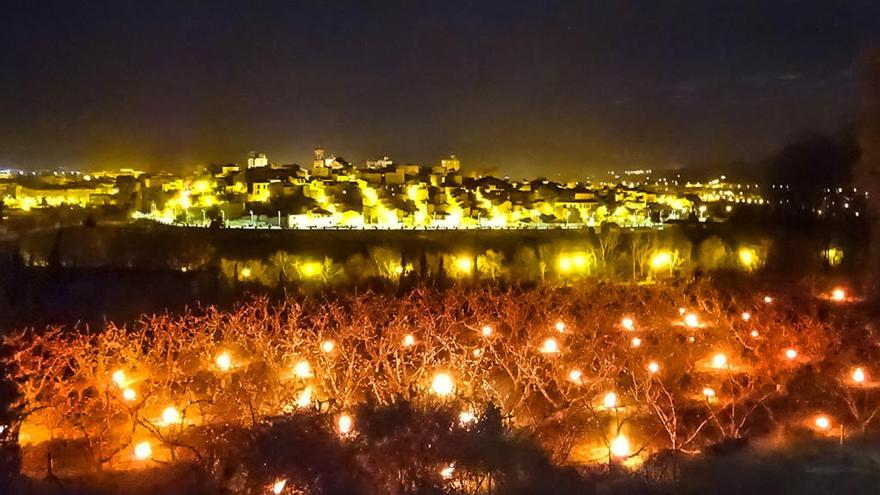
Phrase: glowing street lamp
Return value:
(661, 260)
(447, 472)
(858, 376)
(245, 272)
(575, 375)
(442, 385)
(719, 361)
(170, 415)
(328, 346)
(464, 264)
(409, 340)
(768, 299)
(620, 446)
(746, 316)
(822, 422)
(692, 320)
(223, 361)
(838, 294)
(653, 367)
(143, 451)
(708, 392)
(609, 400)
(486, 331)
(118, 378)
(550, 346)
(754, 334)
(278, 486)
(627, 323)
(129, 394)
(791, 353)
(344, 424)
(302, 369)
(636, 342)
(560, 326)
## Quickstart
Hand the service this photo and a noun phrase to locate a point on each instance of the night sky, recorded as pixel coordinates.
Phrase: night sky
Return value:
(532, 88)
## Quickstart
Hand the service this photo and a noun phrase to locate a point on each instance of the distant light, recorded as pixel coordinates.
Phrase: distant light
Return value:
(486, 331)
(447, 472)
(627, 323)
(681, 311)
(170, 415)
(708, 392)
(328, 346)
(302, 369)
(858, 375)
(838, 294)
(409, 340)
(661, 260)
(692, 320)
(653, 366)
(609, 400)
(278, 486)
(466, 417)
(344, 424)
(791, 353)
(636, 341)
(560, 326)
(746, 316)
(143, 451)
(575, 375)
(464, 264)
(823, 422)
(620, 447)
(223, 361)
(119, 378)
(442, 384)
(550, 346)
(719, 361)
(129, 394)
(768, 299)
(755, 334)
(245, 272)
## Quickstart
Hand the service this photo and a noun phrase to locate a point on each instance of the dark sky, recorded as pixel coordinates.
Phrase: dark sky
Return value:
(529, 87)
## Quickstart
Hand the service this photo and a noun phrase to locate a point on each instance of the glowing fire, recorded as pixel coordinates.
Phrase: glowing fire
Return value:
(442, 384)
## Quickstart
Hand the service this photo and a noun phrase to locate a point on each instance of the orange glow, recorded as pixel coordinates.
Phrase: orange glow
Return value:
(442, 384)
(278, 486)
(575, 375)
(409, 340)
(838, 294)
(708, 392)
(223, 361)
(550, 346)
(560, 326)
(768, 299)
(627, 323)
(791, 354)
(344, 424)
(858, 375)
(119, 378)
(692, 320)
(754, 334)
(719, 361)
(620, 446)
(143, 451)
(129, 394)
(746, 316)
(609, 400)
(466, 418)
(170, 415)
(653, 367)
(636, 341)
(486, 331)
(328, 346)
(822, 422)
(302, 369)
